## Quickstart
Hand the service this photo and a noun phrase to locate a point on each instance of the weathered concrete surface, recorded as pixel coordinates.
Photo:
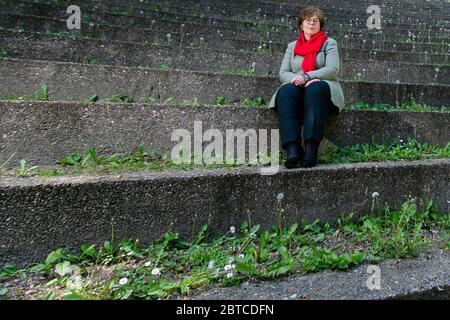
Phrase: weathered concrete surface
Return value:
(71, 81)
(42, 132)
(41, 214)
(200, 38)
(170, 21)
(223, 13)
(425, 277)
(65, 49)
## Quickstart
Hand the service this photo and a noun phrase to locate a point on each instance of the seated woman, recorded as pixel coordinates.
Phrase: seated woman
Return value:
(309, 89)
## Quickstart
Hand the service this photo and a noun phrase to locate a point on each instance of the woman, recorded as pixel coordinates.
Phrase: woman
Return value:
(309, 89)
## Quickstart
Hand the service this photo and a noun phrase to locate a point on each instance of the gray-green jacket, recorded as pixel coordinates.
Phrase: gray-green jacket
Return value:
(327, 69)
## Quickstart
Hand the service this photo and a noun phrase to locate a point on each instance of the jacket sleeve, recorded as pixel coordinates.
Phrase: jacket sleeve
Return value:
(331, 69)
(286, 74)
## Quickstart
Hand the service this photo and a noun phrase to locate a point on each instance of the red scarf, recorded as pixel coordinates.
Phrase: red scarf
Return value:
(309, 49)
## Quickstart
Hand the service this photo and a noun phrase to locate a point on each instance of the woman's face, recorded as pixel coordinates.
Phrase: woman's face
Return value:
(311, 25)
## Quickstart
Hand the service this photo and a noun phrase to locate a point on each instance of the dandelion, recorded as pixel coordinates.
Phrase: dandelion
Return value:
(280, 196)
(375, 195)
(123, 281)
(397, 81)
(156, 272)
(232, 230)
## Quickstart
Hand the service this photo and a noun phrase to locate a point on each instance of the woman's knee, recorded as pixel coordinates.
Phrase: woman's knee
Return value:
(287, 90)
(318, 89)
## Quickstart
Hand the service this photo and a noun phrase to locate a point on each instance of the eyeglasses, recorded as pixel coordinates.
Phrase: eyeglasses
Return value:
(312, 20)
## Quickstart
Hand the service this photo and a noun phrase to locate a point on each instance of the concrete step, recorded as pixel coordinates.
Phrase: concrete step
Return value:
(168, 21)
(421, 278)
(56, 48)
(41, 214)
(193, 25)
(275, 11)
(392, 15)
(42, 132)
(205, 40)
(63, 48)
(72, 82)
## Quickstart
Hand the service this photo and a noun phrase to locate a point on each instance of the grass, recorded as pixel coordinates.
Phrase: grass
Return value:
(396, 150)
(410, 106)
(39, 95)
(139, 159)
(174, 266)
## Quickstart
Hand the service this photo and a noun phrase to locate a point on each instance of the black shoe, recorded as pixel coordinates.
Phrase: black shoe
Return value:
(310, 159)
(294, 155)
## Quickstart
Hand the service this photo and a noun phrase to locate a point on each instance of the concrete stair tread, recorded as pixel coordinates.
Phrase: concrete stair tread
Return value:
(413, 278)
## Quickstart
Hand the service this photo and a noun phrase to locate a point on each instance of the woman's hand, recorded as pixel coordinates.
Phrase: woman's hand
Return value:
(311, 81)
(298, 80)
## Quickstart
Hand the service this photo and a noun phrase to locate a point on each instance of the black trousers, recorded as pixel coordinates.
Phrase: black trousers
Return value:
(297, 105)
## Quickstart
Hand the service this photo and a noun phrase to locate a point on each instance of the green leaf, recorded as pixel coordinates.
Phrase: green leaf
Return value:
(54, 256)
(63, 268)
(38, 268)
(8, 270)
(255, 229)
(73, 296)
(245, 268)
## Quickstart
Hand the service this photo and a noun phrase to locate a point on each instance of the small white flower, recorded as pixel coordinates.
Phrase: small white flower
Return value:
(211, 264)
(375, 195)
(233, 266)
(201, 38)
(280, 196)
(227, 267)
(232, 229)
(241, 256)
(229, 275)
(401, 140)
(169, 36)
(147, 264)
(130, 253)
(123, 281)
(156, 272)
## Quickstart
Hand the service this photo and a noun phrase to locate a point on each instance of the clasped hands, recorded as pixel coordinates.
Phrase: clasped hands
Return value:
(299, 81)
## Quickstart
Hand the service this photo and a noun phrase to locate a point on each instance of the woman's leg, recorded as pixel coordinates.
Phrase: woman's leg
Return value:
(316, 107)
(289, 105)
